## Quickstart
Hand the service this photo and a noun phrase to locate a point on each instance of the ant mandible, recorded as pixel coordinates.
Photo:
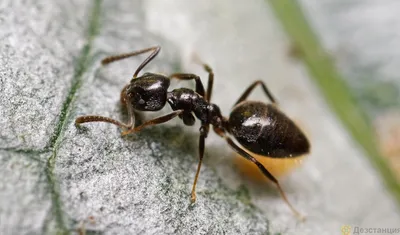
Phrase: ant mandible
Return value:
(259, 127)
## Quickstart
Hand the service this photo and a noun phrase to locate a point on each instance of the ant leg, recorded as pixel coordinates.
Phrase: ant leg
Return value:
(210, 76)
(153, 122)
(96, 118)
(155, 50)
(251, 88)
(199, 84)
(246, 155)
(189, 76)
(210, 81)
(203, 134)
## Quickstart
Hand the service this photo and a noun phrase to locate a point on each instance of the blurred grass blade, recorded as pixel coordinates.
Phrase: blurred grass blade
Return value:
(322, 69)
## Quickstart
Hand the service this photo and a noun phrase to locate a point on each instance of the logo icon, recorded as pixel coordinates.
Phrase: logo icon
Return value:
(346, 230)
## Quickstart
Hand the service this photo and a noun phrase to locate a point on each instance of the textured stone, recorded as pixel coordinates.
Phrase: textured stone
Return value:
(25, 203)
(39, 46)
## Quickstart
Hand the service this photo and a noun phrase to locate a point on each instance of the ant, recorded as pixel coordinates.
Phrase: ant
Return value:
(259, 127)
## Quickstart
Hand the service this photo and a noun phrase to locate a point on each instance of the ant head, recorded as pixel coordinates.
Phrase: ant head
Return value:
(148, 92)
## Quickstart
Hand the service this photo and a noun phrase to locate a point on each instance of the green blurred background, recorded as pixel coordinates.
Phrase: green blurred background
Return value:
(352, 48)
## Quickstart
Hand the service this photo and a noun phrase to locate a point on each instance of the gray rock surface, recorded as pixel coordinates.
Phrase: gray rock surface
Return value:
(25, 206)
(40, 44)
(55, 180)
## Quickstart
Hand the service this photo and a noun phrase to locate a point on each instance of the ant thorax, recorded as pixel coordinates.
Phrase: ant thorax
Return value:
(191, 102)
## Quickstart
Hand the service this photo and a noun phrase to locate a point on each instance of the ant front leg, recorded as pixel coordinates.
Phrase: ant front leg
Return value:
(153, 122)
(247, 92)
(96, 118)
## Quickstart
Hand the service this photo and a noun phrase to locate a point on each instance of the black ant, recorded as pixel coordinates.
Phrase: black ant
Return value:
(259, 127)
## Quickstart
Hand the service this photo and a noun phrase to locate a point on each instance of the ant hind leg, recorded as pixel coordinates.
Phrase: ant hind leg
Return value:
(247, 92)
(266, 173)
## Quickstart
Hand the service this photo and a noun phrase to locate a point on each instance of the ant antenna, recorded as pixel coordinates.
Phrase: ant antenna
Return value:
(155, 50)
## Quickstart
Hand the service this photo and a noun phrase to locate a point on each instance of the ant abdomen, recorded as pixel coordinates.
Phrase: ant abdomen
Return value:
(263, 129)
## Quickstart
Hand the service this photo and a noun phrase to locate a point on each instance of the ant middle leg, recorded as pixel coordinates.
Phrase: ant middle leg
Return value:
(155, 49)
(247, 92)
(199, 84)
(189, 76)
(210, 81)
(203, 134)
(210, 72)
